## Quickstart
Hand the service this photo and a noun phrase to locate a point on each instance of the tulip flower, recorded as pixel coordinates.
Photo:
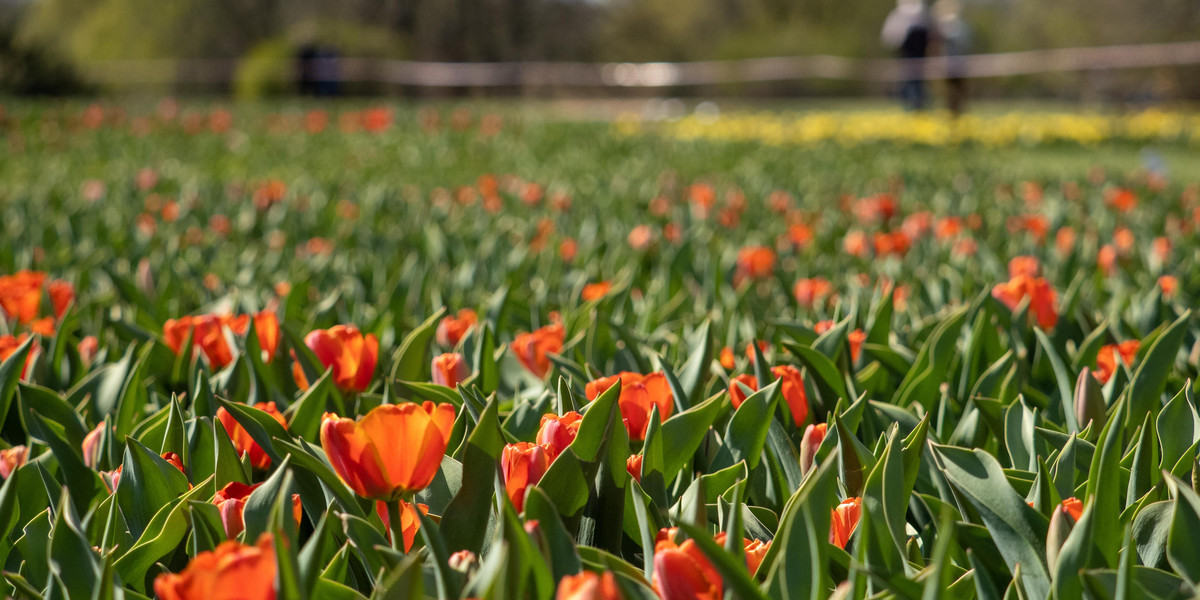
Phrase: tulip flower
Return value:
(844, 521)
(1168, 284)
(450, 369)
(350, 354)
(558, 432)
(463, 561)
(633, 465)
(208, 334)
(736, 393)
(809, 292)
(452, 328)
(62, 293)
(682, 572)
(755, 262)
(88, 347)
(9, 345)
(241, 438)
(21, 295)
(231, 501)
(523, 465)
(596, 291)
(266, 328)
(531, 348)
(1106, 359)
(814, 434)
(11, 459)
(410, 523)
(1062, 521)
(792, 388)
(755, 551)
(91, 446)
(232, 571)
(587, 585)
(639, 394)
(112, 478)
(392, 452)
(856, 339)
(1042, 298)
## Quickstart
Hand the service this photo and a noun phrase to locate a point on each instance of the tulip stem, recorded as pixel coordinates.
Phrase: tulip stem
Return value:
(395, 526)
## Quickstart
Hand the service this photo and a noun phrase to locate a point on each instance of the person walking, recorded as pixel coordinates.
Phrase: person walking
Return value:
(954, 41)
(908, 31)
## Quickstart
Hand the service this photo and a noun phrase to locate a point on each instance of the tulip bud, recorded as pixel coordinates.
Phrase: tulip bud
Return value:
(91, 446)
(450, 370)
(12, 459)
(523, 465)
(1061, 524)
(633, 464)
(813, 436)
(1089, 401)
(463, 561)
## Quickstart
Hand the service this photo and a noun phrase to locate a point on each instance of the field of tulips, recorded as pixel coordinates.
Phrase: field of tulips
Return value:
(463, 351)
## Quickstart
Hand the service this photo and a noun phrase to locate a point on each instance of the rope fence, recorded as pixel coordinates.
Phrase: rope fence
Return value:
(663, 74)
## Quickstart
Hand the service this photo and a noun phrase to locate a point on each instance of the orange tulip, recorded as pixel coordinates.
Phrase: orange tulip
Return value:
(1106, 359)
(809, 292)
(844, 520)
(755, 550)
(1168, 284)
(232, 571)
(21, 295)
(113, 478)
(350, 354)
(266, 327)
(410, 523)
(11, 459)
(62, 293)
(9, 345)
(792, 388)
(726, 358)
(452, 328)
(43, 326)
(587, 585)
(1073, 507)
(735, 391)
(856, 339)
(1042, 298)
(241, 438)
(813, 436)
(231, 501)
(1024, 265)
(682, 572)
(639, 393)
(523, 465)
(596, 291)
(558, 432)
(208, 334)
(392, 452)
(756, 262)
(450, 369)
(633, 465)
(531, 348)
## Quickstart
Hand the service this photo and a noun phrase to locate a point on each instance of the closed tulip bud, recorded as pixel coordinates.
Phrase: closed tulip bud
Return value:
(452, 328)
(1089, 401)
(395, 450)
(450, 370)
(844, 520)
(91, 446)
(232, 570)
(587, 585)
(1061, 523)
(813, 436)
(738, 395)
(633, 464)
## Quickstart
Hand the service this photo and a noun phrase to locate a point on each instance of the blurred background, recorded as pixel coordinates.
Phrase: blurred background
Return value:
(260, 48)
